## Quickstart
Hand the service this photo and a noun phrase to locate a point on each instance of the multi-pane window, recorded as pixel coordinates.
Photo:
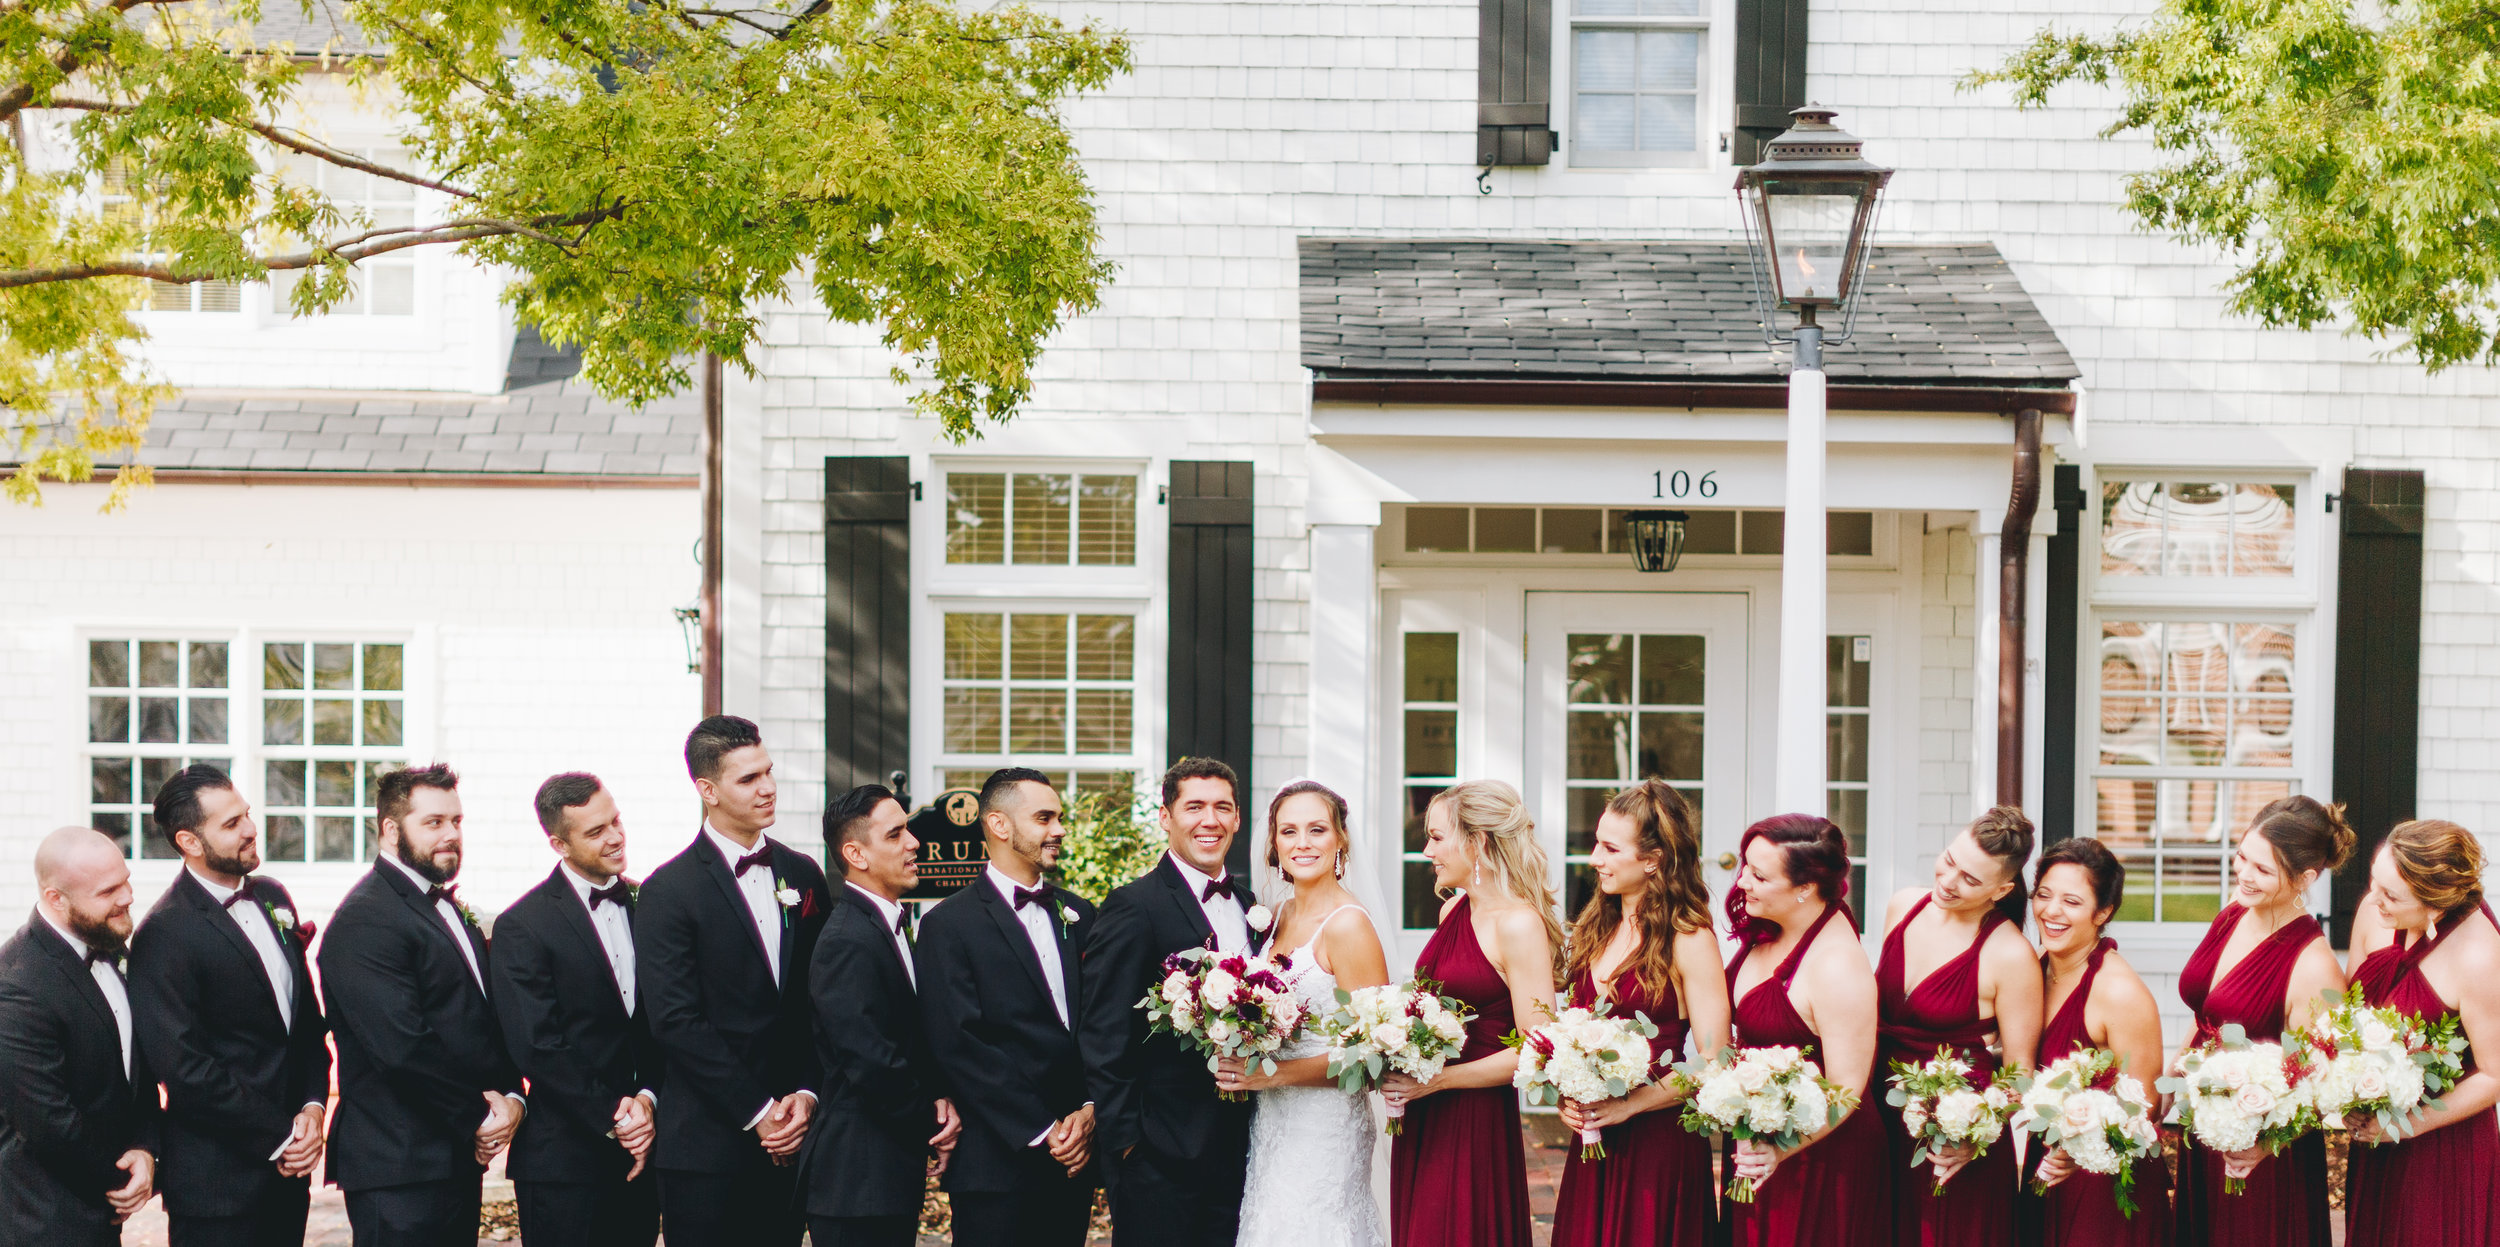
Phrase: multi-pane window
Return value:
(1429, 736)
(121, 206)
(385, 285)
(1848, 719)
(2181, 528)
(1595, 530)
(1632, 711)
(153, 707)
(1041, 519)
(1038, 686)
(1070, 782)
(1637, 76)
(333, 720)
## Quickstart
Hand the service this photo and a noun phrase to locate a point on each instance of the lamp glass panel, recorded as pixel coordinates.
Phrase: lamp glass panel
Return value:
(1807, 227)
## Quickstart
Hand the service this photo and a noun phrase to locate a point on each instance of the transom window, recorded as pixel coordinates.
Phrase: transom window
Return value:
(2182, 528)
(1637, 76)
(1040, 688)
(1041, 519)
(1595, 530)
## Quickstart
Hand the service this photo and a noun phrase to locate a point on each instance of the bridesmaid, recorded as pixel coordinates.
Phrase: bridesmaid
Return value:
(1961, 942)
(2432, 952)
(2095, 1000)
(1644, 944)
(1802, 980)
(2263, 964)
(1458, 1175)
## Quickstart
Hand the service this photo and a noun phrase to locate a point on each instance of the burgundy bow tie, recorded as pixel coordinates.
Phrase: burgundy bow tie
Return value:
(109, 956)
(444, 892)
(1219, 887)
(613, 894)
(760, 857)
(242, 892)
(1033, 896)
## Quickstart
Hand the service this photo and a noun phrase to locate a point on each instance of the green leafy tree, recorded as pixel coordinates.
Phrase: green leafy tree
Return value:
(2342, 153)
(1112, 838)
(652, 173)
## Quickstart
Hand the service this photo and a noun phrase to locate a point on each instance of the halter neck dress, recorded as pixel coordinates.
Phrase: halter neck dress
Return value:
(2082, 1211)
(2440, 1189)
(2285, 1203)
(1977, 1207)
(1653, 1188)
(1458, 1175)
(1835, 1193)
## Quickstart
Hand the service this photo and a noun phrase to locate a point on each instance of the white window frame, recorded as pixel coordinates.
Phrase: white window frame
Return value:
(1424, 610)
(1714, 100)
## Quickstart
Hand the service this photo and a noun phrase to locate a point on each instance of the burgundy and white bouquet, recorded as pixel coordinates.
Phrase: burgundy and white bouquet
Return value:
(1224, 1006)
(1407, 1028)
(1775, 1096)
(1584, 1055)
(2376, 1062)
(2102, 1118)
(1941, 1107)
(2234, 1095)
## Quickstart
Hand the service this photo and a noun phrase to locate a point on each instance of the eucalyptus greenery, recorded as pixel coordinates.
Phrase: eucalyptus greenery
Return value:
(2346, 155)
(650, 172)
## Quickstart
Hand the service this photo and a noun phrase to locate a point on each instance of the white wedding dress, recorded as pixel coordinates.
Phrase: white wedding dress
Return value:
(1310, 1180)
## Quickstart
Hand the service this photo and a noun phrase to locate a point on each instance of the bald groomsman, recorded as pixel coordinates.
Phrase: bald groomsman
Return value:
(77, 1104)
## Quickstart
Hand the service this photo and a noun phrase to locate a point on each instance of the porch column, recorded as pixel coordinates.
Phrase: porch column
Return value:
(1344, 517)
(1797, 773)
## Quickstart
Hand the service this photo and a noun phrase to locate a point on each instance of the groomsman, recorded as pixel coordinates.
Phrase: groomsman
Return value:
(228, 1020)
(861, 1173)
(427, 1095)
(77, 1102)
(562, 971)
(722, 935)
(1177, 1151)
(998, 986)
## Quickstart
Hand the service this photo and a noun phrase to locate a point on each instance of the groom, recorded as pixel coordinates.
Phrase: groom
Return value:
(1176, 1151)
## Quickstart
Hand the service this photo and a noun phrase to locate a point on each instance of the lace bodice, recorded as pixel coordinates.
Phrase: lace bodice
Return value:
(1317, 990)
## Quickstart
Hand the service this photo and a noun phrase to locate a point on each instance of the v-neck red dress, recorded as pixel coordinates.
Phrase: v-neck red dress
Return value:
(1458, 1175)
(2285, 1203)
(1977, 1207)
(2082, 1211)
(1835, 1193)
(1653, 1187)
(2440, 1189)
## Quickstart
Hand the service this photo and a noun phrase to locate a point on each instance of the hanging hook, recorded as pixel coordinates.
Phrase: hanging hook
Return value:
(1484, 179)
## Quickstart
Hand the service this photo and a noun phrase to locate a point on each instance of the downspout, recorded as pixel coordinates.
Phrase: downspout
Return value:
(714, 507)
(2013, 576)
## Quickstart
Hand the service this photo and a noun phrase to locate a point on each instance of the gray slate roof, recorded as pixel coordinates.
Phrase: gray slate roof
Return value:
(1628, 311)
(547, 420)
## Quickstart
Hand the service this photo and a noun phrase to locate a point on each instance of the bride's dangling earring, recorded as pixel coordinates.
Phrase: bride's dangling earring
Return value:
(1341, 863)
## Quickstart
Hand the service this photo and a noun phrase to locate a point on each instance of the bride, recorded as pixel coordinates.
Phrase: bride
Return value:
(1310, 1180)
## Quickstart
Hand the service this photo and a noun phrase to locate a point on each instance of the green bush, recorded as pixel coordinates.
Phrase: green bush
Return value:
(1111, 840)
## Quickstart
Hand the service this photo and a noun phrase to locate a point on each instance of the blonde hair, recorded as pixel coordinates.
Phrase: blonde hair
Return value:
(1489, 816)
(2440, 861)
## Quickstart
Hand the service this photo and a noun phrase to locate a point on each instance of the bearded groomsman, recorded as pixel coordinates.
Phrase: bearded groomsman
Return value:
(427, 1095)
(562, 969)
(861, 1175)
(1177, 1152)
(229, 1022)
(998, 987)
(78, 1104)
(723, 932)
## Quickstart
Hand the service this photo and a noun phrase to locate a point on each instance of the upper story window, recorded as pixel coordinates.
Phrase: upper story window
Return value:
(2232, 530)
(1638, 71)
(164, 296)
(385, 285)
(1045, 519)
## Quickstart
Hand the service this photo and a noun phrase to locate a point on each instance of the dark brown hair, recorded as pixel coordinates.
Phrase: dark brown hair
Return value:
(715, 738)
(1198, 768)
(1336, 815)
(2005, 833)
(1813, 853)
(2440, 861)
(2306, 834)
(397, 790)
(2108, 874)
(1673, 901)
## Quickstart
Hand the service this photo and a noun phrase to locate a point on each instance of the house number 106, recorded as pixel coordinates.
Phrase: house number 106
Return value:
(1682, 484)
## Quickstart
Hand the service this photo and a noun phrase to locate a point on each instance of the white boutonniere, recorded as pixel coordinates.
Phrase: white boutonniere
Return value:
(1067, 915)
(789, 897)
(284, 917)
(1260, 918)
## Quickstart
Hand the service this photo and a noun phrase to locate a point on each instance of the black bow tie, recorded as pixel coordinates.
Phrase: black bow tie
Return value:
(109, 956)
(1220, 887)
(444, 892)
(902, 923)
(242, 892)
(1033, 896)
(613, 894)
(760, 857)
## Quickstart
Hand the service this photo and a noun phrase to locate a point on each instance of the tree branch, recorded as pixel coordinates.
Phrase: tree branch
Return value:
(292, 142)
(72, 56)
(363, 246)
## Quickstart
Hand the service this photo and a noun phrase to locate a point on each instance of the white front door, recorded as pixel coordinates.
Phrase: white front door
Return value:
(1623, 687)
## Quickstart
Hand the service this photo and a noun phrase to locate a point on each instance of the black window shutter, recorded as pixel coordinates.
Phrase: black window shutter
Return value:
(1514, 82)
(2065, 606)
(867, 620)
(1208, 680)
(1770, 72)
(2378, 666)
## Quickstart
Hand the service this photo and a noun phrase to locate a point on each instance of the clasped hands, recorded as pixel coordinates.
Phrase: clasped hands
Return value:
(784, 1126)
(503, 1116)
(304, 1144)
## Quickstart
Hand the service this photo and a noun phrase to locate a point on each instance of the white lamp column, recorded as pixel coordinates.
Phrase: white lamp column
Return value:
(1798, 774)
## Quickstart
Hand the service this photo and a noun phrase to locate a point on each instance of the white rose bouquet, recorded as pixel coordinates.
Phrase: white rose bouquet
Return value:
(1770, 1095)
(2102, 1118)
(1407, 1028)
(1584, 1056)
(1225, 1006)
(2376, 1062)
(1941, 1107)
(2234, 1095)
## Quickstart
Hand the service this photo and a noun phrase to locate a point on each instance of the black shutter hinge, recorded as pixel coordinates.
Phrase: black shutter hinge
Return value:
(915, 491)
(2330, 503)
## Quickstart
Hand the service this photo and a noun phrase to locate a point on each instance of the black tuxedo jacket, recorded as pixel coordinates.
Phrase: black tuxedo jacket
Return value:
(417, 1040)
(1147, 1088)
(731, 1039)
(565, 1024)
(235, 1071)
(1013, 1067)
(867, 1151)
(67, 1111)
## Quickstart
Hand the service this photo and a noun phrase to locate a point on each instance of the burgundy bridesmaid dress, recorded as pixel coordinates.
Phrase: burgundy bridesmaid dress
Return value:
(2440, 1189)
(1835, 1193)
(2082, 1211)
(1977, 1207)
(1653, 1189)
(1458, 1175)
(2285, 1203)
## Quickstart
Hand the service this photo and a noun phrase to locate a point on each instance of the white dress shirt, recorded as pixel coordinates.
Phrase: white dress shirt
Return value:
(263, 937)
(108, 977)
(615, 931)
(1036, 921)
(452, 920)
(757, 887)
(891, 914)
(1225, 915)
